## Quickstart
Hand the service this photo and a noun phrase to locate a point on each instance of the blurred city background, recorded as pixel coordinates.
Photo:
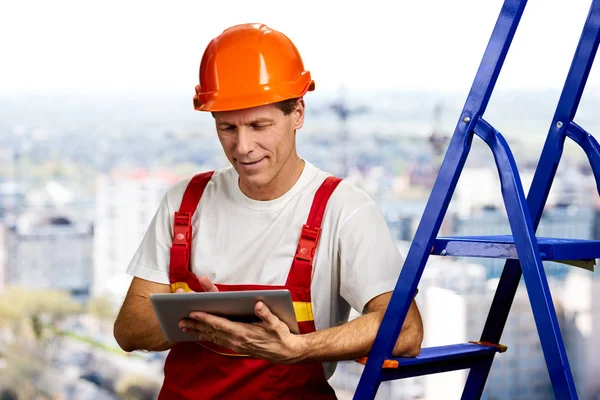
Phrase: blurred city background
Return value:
(96, 123)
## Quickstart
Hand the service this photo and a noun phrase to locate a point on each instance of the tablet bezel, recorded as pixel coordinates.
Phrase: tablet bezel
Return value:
(170, 308)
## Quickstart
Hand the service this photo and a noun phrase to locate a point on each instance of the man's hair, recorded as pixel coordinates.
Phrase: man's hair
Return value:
(287, 106)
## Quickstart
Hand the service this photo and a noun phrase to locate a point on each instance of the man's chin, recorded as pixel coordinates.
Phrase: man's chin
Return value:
(254, 179)
(254, 174)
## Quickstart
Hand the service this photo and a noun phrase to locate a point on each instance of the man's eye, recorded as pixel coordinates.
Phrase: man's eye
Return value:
(260, 127)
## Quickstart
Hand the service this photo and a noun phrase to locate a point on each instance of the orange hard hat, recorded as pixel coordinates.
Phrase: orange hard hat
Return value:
(250, 65)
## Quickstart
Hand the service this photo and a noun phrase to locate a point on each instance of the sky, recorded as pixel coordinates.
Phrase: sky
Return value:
(147, 46)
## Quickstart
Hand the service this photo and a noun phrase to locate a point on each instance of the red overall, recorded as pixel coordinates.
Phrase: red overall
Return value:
(203, 370)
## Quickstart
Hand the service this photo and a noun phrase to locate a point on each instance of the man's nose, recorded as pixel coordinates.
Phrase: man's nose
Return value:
(245, 141)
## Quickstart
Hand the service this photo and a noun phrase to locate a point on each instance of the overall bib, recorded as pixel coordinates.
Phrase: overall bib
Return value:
(203, 370)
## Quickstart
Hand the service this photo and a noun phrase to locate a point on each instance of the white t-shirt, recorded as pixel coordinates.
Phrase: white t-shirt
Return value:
(237, 240)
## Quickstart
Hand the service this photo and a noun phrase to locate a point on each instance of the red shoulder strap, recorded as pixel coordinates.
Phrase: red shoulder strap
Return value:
(301, 271)
(193, 192)
(179, 267)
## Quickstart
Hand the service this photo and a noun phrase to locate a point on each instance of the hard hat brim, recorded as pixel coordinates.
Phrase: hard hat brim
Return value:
(211, 101)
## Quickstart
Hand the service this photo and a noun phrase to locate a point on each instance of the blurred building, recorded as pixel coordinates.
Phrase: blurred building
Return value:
(46, 249)
(126, 201)
(11, 198)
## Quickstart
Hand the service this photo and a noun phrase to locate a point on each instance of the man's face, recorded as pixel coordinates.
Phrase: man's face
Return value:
(260, 143)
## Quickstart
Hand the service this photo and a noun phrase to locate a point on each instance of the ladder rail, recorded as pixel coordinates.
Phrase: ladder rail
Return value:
(414, 264)
(545, 173)
(546, 169)
(590, 146)
(524, 212)
(478, 375)
(532, 268)
(443, 189)
(565, 112)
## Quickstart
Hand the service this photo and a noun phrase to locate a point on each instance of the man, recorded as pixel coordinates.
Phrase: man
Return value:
(270, 221)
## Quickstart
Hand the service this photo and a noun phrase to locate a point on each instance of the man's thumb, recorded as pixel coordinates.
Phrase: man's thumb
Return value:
(207, 284)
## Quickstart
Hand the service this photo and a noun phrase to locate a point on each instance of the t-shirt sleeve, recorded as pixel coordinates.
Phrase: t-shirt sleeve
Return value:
(370, 259)
(152, 258)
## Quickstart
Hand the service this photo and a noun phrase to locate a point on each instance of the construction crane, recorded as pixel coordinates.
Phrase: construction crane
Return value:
(343, 112)
(438, 139)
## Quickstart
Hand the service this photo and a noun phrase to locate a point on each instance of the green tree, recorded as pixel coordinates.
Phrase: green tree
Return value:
(28, 321)
(41, 309)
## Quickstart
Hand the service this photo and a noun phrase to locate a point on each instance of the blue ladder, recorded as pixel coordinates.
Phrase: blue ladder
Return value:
(523, 251)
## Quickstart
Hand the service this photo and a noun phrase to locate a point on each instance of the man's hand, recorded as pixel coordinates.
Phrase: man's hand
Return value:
(269, 339)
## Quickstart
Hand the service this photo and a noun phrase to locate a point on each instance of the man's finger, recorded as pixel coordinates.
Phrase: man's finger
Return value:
(214, 322)
(207, 284)
(192, 327)
(262, 311)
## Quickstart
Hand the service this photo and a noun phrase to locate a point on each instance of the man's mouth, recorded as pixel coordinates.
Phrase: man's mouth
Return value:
(248, 163)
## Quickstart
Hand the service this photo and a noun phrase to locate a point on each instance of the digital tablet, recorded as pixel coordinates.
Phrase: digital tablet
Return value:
(170, 308)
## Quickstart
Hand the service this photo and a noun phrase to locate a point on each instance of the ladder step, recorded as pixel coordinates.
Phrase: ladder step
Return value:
(433, 360)
(504, 247)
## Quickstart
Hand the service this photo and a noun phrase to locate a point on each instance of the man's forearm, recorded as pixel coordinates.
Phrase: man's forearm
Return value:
(355, 338)
(139, 329)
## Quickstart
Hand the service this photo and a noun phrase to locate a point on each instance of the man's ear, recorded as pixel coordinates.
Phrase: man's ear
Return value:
(298, 114)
